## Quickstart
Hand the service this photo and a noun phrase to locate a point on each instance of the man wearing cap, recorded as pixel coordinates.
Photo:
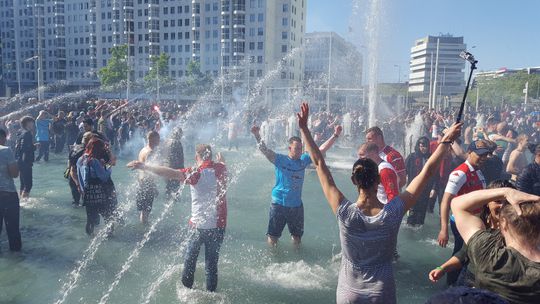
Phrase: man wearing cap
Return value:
(529, 179)
(466, 178)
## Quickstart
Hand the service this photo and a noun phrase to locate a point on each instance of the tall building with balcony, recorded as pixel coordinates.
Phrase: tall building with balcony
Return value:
(446, 69)
(72, 40)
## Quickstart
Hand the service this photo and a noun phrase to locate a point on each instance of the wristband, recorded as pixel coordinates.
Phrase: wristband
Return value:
(439, 268)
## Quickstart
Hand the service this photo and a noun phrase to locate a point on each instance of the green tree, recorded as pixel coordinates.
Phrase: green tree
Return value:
(197, 82)
(508, 88)
(158, 74)
(116, 70)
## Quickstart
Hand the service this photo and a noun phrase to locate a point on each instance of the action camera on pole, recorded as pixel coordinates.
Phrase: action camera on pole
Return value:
(470, 58)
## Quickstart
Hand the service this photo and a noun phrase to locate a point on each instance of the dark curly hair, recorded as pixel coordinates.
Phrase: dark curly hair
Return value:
(365, 173)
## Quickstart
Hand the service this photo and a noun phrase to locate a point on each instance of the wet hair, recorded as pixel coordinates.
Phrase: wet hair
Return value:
(26, 120)
(526, 225)
(293, 139)
(466, 295)
(365, 174)
(376, 130)
(499, 183)
(96, 148)
(204, 151)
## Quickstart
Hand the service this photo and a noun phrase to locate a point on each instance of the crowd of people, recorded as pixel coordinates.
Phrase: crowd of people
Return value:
(496, 232)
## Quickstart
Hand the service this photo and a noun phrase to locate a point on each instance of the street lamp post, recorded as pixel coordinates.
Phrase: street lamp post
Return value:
(399, 72)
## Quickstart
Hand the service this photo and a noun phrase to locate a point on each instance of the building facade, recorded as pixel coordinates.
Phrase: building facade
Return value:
(437, 68)
(45, 41)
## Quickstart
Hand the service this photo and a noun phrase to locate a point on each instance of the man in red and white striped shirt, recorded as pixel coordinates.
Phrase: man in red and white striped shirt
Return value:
(208, 183)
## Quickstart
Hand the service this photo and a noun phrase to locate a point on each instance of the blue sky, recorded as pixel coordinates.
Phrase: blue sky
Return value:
(505, 33)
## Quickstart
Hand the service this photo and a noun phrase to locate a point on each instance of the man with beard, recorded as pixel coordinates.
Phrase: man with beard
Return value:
(413, 166)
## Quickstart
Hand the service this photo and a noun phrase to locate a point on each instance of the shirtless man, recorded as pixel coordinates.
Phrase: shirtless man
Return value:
(518, 160)
(147, 189)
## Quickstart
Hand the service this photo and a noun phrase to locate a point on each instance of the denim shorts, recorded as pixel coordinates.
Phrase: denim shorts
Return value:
(293, 217)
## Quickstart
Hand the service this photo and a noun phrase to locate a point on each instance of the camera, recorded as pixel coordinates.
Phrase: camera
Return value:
(468, 56)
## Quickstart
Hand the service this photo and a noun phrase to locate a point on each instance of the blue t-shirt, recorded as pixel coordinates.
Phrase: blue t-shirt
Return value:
(42, 129)
(289, 180)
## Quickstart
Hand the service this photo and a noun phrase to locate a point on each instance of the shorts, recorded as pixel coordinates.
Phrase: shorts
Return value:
(146, 193)
(280, 215)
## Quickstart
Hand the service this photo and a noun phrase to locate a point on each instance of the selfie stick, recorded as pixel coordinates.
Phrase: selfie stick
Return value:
(470, 58)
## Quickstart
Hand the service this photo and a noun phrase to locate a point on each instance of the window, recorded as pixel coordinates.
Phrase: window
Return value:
(284, 35)
(252, 45)
(260, 18)
(260, 45)
(260, 31)
(284, 22)
(285, 7)
(284, 49)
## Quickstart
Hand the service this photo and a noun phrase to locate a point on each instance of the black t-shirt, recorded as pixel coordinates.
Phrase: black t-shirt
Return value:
(502, 269)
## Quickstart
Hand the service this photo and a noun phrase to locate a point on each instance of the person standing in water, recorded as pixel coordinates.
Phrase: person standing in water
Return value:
(208, 183)
(287, 207)
(24, 153)
(9, 200)
(368, 228)
(147, 188)
(175, 160)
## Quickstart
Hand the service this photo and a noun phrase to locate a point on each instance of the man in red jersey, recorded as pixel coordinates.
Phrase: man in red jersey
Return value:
(388, 154)
(466, 178)
(388, 187)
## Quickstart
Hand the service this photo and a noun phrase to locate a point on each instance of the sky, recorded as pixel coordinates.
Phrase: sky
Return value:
(499, 33)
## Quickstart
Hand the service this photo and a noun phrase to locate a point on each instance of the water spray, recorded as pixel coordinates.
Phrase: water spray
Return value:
(470, 58)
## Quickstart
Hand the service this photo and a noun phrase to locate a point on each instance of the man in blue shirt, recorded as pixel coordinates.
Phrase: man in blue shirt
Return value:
(43, 124)
(287, 207)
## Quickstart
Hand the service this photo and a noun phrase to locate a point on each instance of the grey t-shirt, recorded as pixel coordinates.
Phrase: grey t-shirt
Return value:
(6, 158)
(367, 245)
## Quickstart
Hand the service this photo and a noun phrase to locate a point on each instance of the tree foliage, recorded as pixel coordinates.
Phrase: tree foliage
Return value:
(116, 70)
(158, 73)
(508, 88)
(197, 82)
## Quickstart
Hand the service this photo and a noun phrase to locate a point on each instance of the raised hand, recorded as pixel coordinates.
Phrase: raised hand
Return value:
(453, 132)
(303, 116)
(515, 198)
(338, 129)
(255, 130)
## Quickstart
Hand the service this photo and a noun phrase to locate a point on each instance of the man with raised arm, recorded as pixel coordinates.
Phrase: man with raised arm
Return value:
(208, 183)
(287, 207)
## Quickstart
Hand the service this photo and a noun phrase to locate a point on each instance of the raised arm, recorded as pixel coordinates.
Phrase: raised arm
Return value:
(166, 172)
(270, 155)
(413, 191)
(331, 192)
(511, 167)
(330, 142)
(463, 207)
